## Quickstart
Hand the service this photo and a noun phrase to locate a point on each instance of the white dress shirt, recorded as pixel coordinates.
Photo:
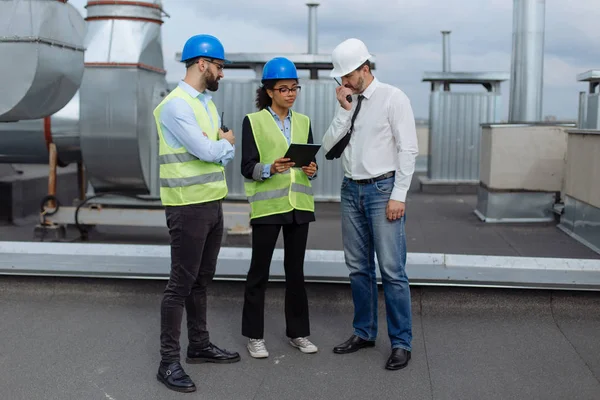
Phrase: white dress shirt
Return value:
(384, 137)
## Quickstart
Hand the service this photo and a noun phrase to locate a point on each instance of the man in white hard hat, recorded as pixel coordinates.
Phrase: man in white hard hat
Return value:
(376, 137)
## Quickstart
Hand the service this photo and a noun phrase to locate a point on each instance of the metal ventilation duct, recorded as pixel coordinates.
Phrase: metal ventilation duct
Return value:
(27, 141)
(41, 47)
(445, 51)
(124, 81)
(527, 65)
(313, 34)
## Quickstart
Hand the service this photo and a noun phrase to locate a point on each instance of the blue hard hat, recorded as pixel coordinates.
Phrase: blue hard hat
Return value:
(203, 46)
(279, 68)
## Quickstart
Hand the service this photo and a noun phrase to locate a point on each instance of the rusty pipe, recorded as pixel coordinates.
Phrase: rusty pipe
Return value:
(53, 163)
(81, 180)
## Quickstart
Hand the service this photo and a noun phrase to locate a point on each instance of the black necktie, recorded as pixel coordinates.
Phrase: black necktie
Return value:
(337, 150)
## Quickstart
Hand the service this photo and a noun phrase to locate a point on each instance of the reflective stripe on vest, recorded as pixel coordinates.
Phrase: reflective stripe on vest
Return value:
(274, 194)
(192, 180)
(184, 179)
(281, 192)
(176, 158)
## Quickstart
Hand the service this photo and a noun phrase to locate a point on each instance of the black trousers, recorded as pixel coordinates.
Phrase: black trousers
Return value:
(196, 232)
(264, 238)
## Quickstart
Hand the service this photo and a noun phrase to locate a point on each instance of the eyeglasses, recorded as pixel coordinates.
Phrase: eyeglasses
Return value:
(219, 66)
(284, 90)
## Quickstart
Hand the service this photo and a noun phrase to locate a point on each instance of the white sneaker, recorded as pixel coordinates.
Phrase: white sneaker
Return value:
(304, 345)
(257, 348)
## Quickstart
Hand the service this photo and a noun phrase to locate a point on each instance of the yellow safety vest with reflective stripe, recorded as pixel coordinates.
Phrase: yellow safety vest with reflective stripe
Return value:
(281, 192)
(185, 179)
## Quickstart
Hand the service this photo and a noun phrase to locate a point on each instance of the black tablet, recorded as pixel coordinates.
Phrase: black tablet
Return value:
(302, 154)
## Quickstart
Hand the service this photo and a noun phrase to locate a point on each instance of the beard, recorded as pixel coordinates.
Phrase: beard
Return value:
(212, 82)
(359, 86)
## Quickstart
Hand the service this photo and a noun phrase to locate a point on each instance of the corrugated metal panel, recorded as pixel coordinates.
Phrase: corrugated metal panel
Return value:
(589, 111)
(581, 117)
(592, 118)
(317, 100)
(319, 103)
(235, 99)
(455, 132)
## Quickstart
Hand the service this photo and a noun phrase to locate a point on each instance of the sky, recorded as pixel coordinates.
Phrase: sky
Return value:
(404, 36)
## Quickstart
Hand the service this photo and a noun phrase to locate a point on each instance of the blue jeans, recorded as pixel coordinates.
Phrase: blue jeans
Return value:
(366, 231)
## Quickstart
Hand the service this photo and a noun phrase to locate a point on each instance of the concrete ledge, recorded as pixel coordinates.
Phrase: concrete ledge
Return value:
(582, 171)
(523, 157)
(152, 262)
(236, 216)
(440, 186)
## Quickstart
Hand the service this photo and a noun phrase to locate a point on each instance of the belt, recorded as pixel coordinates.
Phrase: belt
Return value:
(373, 180)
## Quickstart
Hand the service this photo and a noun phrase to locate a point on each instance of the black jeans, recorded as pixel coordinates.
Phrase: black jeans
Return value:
(264, 238)
(196, 232)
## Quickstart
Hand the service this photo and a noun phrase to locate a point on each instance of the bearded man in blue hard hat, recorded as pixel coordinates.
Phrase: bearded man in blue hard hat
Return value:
(193, 152)
(281, 198)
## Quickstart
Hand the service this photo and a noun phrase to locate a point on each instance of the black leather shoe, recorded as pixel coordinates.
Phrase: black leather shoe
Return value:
(398, 359)
(211, 353)
(175, 378)
(353, 344)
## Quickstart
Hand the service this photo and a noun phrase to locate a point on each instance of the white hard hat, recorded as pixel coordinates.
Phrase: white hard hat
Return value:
(347, 56)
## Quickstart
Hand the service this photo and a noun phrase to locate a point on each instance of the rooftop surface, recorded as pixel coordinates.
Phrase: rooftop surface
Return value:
(99, 340)
(69, 338)
(435, 224)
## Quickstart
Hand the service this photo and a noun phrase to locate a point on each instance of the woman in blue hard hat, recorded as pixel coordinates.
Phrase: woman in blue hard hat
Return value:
(280, 196)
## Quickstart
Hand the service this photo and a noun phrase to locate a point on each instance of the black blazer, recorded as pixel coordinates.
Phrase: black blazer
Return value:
(250, 157)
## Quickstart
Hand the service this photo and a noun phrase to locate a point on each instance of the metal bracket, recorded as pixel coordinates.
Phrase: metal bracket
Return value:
(236, 217)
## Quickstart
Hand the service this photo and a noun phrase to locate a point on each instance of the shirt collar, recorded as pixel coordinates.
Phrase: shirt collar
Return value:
(203, 97)
(368, 92)
(289, 115)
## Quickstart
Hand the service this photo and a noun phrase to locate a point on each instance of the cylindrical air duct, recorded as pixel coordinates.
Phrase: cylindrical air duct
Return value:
(27, 141)
(41, 57)
(312, 28)
(124, 81)
(527, 64)
(446, 51)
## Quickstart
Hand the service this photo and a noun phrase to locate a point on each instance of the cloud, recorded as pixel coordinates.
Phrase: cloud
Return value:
(403, 34)
(560, 73)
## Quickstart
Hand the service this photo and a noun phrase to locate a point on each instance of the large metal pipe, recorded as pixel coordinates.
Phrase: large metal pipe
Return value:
(312, 28)
(446, 51)
(527, 64)
(124, 81)
(28, 141)
(41, 57)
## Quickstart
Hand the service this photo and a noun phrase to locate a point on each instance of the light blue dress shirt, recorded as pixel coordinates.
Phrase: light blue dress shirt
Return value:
(286, 128)
(180, 129)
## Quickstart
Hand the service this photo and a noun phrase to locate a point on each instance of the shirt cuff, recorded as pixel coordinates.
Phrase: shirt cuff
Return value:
(310, 178)
(399, 195)
(266, 173)
(228, 146)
